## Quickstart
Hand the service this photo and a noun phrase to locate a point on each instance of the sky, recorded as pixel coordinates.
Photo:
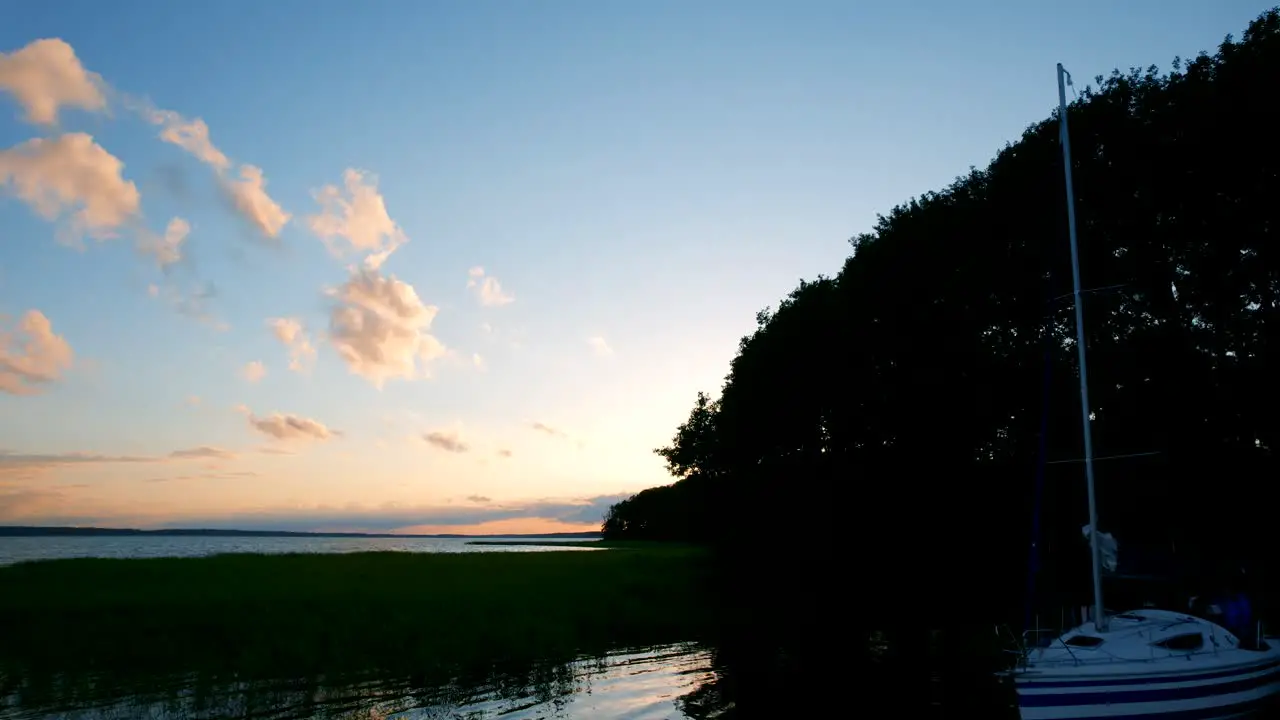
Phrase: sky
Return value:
(420, 266)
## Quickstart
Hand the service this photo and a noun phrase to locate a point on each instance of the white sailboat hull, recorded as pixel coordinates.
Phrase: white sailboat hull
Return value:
(1130, 675)
(1172, 696)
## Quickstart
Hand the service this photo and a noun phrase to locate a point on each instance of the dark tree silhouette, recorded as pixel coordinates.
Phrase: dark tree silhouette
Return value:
(890, 422)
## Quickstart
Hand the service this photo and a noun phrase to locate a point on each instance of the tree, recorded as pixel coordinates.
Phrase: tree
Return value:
(903, 409)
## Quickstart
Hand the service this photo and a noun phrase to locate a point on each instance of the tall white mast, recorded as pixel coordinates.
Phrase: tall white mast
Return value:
(1099, 612)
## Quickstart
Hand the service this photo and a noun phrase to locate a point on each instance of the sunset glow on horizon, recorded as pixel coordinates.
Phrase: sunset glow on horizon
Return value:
(275, 266)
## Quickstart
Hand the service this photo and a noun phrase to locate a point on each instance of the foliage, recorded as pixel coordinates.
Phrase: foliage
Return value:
(899, 412)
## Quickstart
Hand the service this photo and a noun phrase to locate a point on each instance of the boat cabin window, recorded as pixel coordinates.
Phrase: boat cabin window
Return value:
(1182, 643)
(1084, 641)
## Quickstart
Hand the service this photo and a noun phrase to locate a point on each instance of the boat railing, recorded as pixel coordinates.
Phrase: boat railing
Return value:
(1019, 647)
(1107, 658)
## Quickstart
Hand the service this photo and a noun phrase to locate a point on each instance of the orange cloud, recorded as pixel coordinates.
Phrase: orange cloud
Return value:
(488, 289)
(204, 452)
(46, 76)
(20, 502)
(380, 328)
(32, 356)
(360, 219)
(190, 135)
(511, 526)
(547, 515)
(249, 195)
(290, 332)
(215, 475)
(253, 371)
(71, 172)
(167, 248)
(281, 426)
(23, 466)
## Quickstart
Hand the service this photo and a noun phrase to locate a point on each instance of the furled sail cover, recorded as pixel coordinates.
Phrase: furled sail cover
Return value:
(1109, 547)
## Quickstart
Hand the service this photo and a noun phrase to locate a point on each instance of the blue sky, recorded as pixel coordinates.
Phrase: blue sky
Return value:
(640, 178)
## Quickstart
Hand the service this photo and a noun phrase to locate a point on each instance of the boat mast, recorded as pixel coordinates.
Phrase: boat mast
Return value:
(1099, 613)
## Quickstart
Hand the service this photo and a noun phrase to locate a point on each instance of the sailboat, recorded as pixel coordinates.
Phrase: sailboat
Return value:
(1146, 663)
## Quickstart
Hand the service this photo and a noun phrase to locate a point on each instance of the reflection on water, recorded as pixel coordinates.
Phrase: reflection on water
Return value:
(685, 681)
(20, 549)
(652, 684)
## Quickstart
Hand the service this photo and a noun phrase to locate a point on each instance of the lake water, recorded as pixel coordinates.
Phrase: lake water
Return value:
(654, 684)
(673, 682)
(20, 549)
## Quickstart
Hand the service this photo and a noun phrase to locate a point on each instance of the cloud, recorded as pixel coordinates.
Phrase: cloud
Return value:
(290, 332)
(206, 452)
(23, 502)
(448, 440)
(10, 461)
(548, 430)
(600, 346)
(478, 361)
(282, 426)
(167, 249)
(249, 195)
(588, 512)
(190, 135)
(488, 289)
(215, 475)
(40, 506)
(556, 433)
(360, 219)
(71, 172)
(192, 303)
(28, 465)
(46, 76)
(193, 400)
(504, 453)
(253, 371)
(32, 355)
(380, 328)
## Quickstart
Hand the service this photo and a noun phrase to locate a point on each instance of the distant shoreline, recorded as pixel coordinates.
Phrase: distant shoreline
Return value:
(40, 531)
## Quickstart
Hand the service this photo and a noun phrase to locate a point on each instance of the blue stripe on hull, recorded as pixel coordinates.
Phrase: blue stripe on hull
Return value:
(1212, 713)
(1161, 694)
(1190, 677)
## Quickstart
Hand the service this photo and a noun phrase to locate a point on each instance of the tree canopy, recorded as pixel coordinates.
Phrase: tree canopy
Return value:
(906, 409)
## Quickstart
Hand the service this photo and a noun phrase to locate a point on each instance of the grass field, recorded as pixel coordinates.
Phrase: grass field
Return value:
(278, 615)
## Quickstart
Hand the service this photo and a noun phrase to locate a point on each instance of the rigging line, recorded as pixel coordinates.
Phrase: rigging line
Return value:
(1104, 288)
(1107, 457)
